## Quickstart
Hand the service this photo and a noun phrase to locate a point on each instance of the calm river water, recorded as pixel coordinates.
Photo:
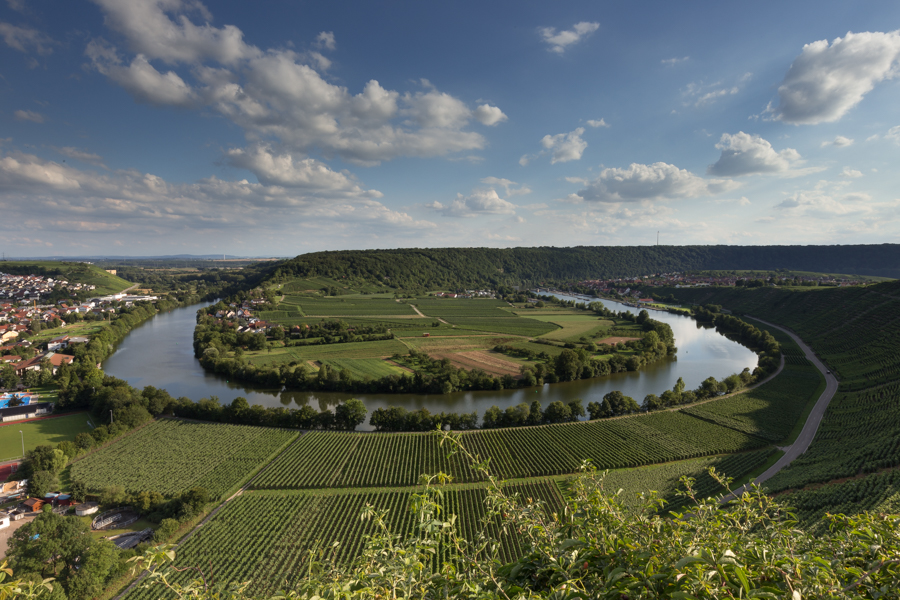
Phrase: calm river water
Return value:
(160, 353)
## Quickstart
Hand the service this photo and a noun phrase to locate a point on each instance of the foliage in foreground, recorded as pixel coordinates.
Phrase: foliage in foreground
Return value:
(599, 547)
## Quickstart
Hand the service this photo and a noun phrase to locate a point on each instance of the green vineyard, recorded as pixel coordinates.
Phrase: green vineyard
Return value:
(853, 331)
(768, 412)
(171, 456)
(326, 459)
(666, 479)
(265, 537)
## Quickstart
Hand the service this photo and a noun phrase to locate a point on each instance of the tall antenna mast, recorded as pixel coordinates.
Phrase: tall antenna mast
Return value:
(657, 238)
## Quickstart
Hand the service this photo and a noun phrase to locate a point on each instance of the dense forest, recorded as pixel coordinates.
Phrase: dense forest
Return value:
(447, 268)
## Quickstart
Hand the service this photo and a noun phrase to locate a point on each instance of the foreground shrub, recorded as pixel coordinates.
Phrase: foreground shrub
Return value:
(745, 546)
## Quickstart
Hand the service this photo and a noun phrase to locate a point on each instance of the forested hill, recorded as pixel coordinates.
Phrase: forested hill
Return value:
(439, 268)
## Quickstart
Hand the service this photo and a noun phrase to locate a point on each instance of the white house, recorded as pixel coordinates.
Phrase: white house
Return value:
(60, 343)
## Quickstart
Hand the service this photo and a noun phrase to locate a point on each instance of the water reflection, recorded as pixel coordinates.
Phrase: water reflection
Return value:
(160, 353)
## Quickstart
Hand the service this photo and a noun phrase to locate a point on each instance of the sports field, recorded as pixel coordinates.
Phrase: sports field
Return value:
(43, 431)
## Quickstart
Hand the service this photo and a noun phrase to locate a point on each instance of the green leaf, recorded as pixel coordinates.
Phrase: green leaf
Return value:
(689, 560)
(742, 575)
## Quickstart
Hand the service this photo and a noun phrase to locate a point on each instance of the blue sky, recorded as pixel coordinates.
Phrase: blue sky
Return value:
(134, 127)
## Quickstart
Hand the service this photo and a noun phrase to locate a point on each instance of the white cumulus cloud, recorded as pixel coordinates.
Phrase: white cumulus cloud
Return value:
(746, 154)
(564, 147)
(596, 123)
(146, 84)
(827, 80)
(489, 115)
(278, 94)
(659, 181)
(479, 202)
(284, 169)
(839, 141)
(163, 29)
(559, 41)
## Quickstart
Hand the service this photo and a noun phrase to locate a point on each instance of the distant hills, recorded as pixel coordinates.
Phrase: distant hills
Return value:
(438, 268)
(107, 257)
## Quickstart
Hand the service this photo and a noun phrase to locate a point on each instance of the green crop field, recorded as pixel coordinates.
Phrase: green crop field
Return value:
(852, 330)
(573, 327)
(460, 341)
(666, 479)
(770, 411)
(41, 432)
(365, 368)
(513, 326)
(323, 459)
(171, 456)
(358, 306)
(348, 350)
(879, 492)
(264, 537)
(463, 307)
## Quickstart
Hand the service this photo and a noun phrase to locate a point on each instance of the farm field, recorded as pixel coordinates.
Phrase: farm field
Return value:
(432, 325)
(349, 307)
(463, 307)
(489, 362)
(853, 331)
(514, 326)
(349, 350)
(769, 411)
(334, 459)
(666, 478)
(170, 456)
(459, 342)
(37, 433)
(878, 492)
(573, 327)
(857, 435)
(365, 368)
(264, 537)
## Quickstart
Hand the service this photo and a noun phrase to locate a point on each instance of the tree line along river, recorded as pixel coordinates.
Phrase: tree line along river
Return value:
(160, 353)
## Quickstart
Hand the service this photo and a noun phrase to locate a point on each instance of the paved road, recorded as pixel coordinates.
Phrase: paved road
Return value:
(815, 416)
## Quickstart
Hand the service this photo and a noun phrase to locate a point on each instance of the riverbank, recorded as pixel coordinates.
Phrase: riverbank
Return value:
(159, 352)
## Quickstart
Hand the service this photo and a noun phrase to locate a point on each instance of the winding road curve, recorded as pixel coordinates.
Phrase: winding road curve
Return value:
(815, 416)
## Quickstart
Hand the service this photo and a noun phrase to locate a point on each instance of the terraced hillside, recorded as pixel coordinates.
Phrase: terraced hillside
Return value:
(851, 461)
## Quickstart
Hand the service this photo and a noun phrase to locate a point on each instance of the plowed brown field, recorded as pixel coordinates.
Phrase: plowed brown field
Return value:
(488, 362)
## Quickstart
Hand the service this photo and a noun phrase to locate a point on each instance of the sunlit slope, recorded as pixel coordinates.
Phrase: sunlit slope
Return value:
(854, 331)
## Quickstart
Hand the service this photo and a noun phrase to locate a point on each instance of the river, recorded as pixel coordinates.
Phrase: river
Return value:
(160, 353)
